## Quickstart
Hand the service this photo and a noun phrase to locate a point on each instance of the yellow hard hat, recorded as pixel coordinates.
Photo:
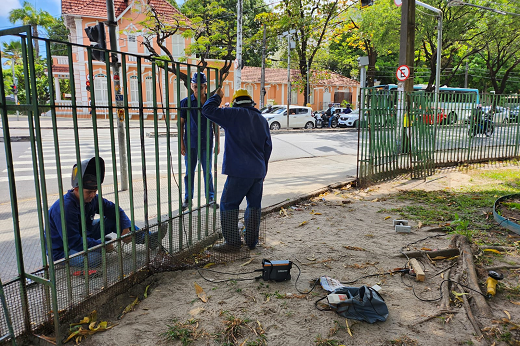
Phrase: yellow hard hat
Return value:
(240, 92)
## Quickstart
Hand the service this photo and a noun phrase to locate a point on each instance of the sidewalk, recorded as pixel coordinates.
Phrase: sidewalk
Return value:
(19, 129)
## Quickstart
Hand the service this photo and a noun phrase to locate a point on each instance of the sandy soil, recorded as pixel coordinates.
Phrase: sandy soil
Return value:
(343, 235)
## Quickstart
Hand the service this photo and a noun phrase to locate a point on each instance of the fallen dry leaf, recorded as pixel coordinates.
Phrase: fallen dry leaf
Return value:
(247, 262)
(426, 249)
(208, 265)
(354, 248)
(508, 314)
(194, 312)
(492, 250)
(516, 303)
(387, 217)
(200, 293)
(348, 328)
(438, 258)
(303, 223)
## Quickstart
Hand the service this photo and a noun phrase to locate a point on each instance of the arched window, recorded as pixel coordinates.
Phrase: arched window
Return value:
(249, 89)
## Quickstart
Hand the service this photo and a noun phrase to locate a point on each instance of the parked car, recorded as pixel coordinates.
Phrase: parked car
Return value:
(300, 117)
(349, 120)
(273, 108)
(514, 115)
(499, 114)
(429, 116)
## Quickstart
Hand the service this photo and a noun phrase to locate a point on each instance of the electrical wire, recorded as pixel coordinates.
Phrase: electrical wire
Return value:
(227, 280)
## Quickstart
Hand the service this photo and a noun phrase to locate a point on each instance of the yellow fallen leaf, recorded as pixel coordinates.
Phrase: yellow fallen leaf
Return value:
(452, 258)
(316, 213)
(426, 249)
(200, 293)
(209, 265)
(129, 307)
(194, 312)
(387, 217)
(516, 303)
(283, 211)
(438, 258)
(348, 328)
(246, 263)
(508, 314)
(146, 292)
(303, 223)
(492, 250)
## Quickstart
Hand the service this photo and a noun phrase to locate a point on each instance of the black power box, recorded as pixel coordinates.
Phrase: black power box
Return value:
(276, 270)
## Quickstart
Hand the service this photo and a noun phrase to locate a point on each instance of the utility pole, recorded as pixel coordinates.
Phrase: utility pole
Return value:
(406, 57)
(288, 34)
(112, 27)
(262, 78)
(238, 64)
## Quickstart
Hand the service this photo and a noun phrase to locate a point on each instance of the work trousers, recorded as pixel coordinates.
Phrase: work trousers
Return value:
(190, 173)
(234, 192)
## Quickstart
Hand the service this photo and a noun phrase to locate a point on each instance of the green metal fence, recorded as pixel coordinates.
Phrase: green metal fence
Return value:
(40, 150)
(413, 133)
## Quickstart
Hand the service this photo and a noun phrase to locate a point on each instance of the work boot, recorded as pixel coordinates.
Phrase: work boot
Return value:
(185, 205)
(226, 248)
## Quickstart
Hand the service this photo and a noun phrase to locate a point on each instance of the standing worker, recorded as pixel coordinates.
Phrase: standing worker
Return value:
(246, 155)
(192, 150)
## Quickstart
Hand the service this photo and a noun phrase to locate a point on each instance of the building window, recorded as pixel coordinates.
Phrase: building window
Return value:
(294, 96)
(249, 89)
(132, 43)
(177, 45)
(149, 89)
(311, 96)
(226, 90)
(134, 89)
(100, 89)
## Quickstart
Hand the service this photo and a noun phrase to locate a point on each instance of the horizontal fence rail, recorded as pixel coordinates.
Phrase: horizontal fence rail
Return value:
(40, 155)
(412, 132)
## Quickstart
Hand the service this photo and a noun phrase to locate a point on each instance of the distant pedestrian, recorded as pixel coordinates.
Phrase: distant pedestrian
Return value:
(190, 150)
(347, 109)
(246, 155)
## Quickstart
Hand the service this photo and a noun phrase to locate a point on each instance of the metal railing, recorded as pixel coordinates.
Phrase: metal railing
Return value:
(39, 291)
(408, 133)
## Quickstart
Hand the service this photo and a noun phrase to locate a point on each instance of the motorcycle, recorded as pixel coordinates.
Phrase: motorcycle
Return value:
(481, 125)
(322, 120)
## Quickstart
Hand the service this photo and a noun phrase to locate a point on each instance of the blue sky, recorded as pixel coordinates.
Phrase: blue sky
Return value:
(51, 6)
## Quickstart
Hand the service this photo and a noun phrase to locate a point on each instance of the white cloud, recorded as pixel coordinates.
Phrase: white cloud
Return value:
(8, 6)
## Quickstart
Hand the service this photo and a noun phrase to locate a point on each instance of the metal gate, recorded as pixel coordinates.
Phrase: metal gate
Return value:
(413, 133)
(40, 151)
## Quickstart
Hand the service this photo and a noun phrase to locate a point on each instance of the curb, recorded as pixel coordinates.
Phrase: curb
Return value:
(276, 132)
(275, 207)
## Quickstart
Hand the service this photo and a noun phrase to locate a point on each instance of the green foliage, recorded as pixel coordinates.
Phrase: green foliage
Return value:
(59, 32)
(185, 332)
(319, 341)
(42, 82)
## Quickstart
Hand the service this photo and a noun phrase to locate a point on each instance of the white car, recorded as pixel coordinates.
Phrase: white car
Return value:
(349, 120)
(300, 117)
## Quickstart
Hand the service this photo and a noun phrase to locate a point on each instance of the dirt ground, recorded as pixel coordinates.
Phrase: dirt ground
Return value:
(345, 234)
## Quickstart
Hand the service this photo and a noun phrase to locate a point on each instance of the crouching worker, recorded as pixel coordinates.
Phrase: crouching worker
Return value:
(246, 155)
(72, 215)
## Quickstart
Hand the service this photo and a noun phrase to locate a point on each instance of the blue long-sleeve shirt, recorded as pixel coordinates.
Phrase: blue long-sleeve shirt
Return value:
(194, 123)
(248, 143)
(73, 222)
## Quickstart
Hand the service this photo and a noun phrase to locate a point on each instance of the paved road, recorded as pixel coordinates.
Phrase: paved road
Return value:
(301, 162)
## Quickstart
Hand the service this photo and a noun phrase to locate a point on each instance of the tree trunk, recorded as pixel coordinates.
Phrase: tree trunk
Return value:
(36, 42)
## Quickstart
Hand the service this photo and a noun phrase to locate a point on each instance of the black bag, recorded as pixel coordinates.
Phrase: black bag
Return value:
(363, 304)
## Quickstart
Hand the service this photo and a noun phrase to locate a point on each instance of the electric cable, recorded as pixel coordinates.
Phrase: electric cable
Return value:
(316, 281)
(227, 280)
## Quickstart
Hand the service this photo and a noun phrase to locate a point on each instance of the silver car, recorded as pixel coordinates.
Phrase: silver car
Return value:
(349, 120)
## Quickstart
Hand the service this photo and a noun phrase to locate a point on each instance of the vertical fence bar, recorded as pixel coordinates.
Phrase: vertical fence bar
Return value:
(169, 170)
(14, 206)
(156, 143)
(180, 137)
(129, 159)
(143, 157)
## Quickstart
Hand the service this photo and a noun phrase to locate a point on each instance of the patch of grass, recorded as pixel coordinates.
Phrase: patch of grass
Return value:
(233, 329)
(185, 332)
(319, 341)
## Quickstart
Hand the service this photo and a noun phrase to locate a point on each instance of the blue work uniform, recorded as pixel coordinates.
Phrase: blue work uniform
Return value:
(247, 151)
(192, 149)
(73, 224)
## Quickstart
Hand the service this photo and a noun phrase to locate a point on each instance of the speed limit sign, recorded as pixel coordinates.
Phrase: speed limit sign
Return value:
(402, 73)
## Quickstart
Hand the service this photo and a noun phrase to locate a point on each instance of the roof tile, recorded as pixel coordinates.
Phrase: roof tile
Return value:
(279, 75)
